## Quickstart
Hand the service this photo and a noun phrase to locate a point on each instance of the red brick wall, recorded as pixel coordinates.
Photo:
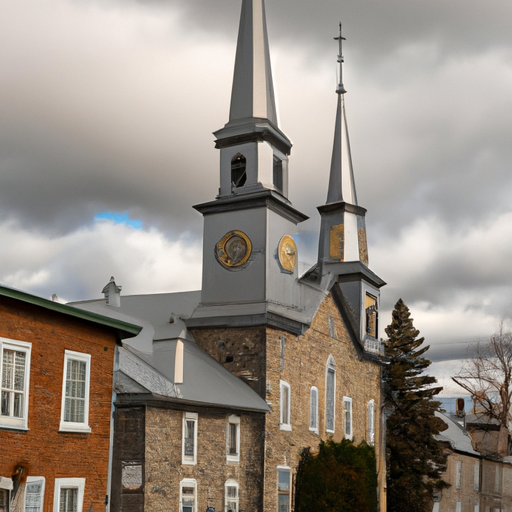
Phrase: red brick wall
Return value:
(49, 453)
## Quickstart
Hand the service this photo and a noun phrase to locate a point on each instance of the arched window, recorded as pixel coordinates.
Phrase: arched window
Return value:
(330, 394)
(188, 495)
(371, 316)
(238, 171)
(313, 409)
(371, 422)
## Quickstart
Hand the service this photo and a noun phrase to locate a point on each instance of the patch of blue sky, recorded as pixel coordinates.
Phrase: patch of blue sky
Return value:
(119, 218)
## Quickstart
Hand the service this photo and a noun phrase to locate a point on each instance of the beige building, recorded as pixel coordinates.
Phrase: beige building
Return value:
(225, 386)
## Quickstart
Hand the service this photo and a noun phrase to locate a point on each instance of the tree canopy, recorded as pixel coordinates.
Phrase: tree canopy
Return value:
(415, 459)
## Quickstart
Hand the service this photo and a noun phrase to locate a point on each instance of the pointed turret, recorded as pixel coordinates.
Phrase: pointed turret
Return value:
(343, 231)
(253, 90)
(342, 250)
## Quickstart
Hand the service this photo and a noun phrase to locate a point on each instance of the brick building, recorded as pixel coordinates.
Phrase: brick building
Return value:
(262, 361)
(56, 375)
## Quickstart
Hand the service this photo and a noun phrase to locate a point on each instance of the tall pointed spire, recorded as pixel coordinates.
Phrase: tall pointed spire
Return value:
(253, 90)
(341, 180)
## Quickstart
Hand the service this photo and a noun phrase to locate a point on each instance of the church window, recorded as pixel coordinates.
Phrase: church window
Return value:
(4, 499)
(34, 494)
(330, 393)
(231, 496)
(233, 438)
(371, 316)
(332, 328)
(476, 476)
(371, 422)
(238, 171)
(347, 402)
(458, 476)
(285, 423)
(313, 409)
(278, 174)
(283, 489)
(14, 383)
(283, 343)
(188, 495)
(189, 449)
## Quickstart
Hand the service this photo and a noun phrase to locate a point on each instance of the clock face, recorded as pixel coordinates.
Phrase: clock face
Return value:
(234, 249)
(287, 253)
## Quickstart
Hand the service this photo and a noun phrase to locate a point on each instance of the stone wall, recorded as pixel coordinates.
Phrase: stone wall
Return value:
(164, 469)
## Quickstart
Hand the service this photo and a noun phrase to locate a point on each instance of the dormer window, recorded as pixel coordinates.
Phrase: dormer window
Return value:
(278, 174)
(371, 316)
(238, 171)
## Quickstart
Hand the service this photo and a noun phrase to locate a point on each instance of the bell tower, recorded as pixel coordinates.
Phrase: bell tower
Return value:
(250, 274)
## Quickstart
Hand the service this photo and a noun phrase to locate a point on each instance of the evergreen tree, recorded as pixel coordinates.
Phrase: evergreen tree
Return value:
(415, 459)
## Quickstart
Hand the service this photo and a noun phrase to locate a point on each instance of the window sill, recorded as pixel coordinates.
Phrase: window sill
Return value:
(19, 428)
(77, 429)
(233, 458)
(189, 462)
(285, 426)
(313, 430)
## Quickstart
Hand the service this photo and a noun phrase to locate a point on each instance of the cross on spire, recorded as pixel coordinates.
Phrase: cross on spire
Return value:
(340, 89)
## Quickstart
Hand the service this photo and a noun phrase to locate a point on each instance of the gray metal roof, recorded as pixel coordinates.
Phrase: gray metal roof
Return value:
(147, 362)
(456, 435)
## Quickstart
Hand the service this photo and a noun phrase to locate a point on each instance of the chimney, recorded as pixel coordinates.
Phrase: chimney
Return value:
(112, 293)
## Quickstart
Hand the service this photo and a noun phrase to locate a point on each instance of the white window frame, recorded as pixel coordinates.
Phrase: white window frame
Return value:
(18, 346)
(188, 482)
(69, 483)
(32, 479)
(233, 420)
(284, 469)
(4, 503)
(476, 476)
(458, 506)
(330, 368)
(371, 422)
(348, 417)
(282, 343)
(234, 484)
(458, 475)
(285, 422)
(189, 459)
(72, 426)
(313, 409)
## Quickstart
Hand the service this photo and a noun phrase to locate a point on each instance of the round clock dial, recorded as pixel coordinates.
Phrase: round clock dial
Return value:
(287, 253)
(234, 249)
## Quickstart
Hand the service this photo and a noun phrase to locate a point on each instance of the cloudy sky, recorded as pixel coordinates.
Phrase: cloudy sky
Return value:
(106, 120)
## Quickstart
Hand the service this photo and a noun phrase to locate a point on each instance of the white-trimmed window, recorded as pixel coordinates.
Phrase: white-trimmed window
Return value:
(14, 383)
(283, 346)
(371, 422)
(313, 409)
(347, 404)
(69, 494)
(188, 495)
(330, 394)
(75, 392)
(231, 496)
(458, 475)
(233, 438)
(283, 489)
(284, 421)
(458, 506)
(34, 494)
(476, 476)
(4, 500)
(189, 455)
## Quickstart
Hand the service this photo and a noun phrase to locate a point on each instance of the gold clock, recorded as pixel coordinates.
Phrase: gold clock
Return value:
(234, 249)
(287, 253)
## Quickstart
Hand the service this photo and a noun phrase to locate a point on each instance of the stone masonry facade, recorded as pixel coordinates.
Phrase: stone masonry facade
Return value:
(267, 356)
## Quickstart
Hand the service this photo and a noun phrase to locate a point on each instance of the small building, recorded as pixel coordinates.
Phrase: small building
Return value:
(56, 375)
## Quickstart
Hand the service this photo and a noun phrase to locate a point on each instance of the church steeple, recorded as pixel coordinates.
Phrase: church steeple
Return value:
(343, 231)
(254, 151)
(253, 91)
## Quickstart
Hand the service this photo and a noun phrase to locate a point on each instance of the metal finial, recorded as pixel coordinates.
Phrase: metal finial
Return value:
(340, 89)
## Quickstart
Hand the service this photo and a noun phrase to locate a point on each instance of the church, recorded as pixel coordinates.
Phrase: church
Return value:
(223, 387)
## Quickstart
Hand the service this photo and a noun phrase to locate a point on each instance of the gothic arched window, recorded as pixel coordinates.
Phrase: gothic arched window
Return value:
(330, 394)
(238, 171)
